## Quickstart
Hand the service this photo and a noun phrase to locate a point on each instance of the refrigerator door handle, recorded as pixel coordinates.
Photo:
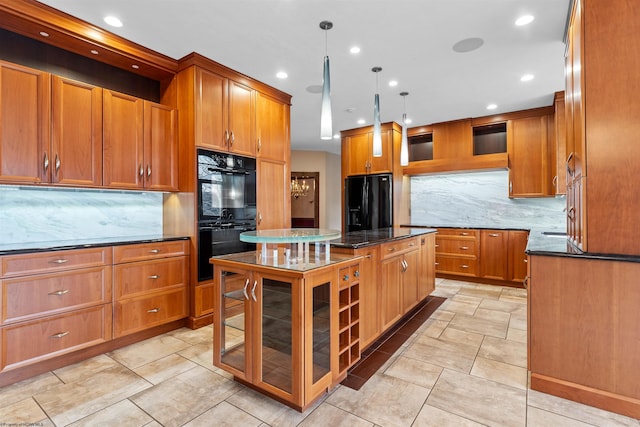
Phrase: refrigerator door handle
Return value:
(365, 205)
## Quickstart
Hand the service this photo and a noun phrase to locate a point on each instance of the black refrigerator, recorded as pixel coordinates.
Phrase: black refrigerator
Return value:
(368, 202)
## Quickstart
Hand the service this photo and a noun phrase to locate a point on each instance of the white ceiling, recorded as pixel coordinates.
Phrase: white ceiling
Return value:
(411, 40)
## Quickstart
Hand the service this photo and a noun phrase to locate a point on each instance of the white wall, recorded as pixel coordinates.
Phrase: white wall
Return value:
(329, 166)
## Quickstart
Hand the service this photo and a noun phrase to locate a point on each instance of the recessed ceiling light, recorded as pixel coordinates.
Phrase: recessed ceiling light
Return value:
(393, 83)
(354, 50)
(93, 51)
(113, 21)
(468, 45)
(361, 121)
(526, 78)
(524, 20)
(492, 107)
(282, 75)
(44, 34)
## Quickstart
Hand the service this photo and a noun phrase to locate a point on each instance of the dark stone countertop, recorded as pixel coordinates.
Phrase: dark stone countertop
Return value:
(363, 238)
(63, 245)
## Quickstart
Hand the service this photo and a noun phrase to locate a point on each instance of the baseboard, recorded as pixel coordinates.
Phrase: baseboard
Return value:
(589, 396)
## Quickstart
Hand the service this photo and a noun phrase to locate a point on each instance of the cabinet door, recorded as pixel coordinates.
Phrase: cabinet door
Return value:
(160, 147)
(391, 291)
(211, 119)
(273, 200)
(241, 119)
(528, 163)
(453, 140)
(272, 128)
(427, 266)
(356, 152)
(410, 269)
(384, 163)
(24, 124)
(123, 141)
(493, 254)
(76, 140)
(517, 256)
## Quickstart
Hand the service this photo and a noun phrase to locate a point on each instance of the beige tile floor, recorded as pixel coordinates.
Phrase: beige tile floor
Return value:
(466, 366)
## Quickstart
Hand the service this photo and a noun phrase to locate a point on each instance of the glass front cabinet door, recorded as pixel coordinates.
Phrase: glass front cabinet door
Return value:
(273, 331)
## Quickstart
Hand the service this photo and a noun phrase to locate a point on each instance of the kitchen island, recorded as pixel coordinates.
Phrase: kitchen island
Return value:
(292, 330)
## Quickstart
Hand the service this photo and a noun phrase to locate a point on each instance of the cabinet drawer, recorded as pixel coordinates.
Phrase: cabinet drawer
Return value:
(454, 265)
(33, 341)
(145, 251)
(349, 275)
(141, 313)
(28, 297)
(456, 246)
(397, 247)
(144, 276)
(46, 262)
(460, 232)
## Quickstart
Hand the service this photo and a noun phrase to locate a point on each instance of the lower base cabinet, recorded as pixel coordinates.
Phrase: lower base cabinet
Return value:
(298, 331)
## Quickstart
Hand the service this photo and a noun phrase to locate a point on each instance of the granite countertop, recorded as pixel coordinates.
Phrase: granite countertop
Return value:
(61, 245)
(363, 238)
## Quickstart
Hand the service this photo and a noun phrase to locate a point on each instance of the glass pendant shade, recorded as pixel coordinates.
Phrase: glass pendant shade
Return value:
(377, 133)
(404, 144)
(326, 128)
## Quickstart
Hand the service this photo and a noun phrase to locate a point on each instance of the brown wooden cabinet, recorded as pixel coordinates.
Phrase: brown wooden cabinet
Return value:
(25, 99)
(427, 266)
(272, 128)
(517, 258)
(559, 146)
(527, 145)
(139, 153)
(150, 285)
(53, 303)
(357, 151)
(452, 140)
(399, 275)
(457, 251)
(273, 201)
(494, 250)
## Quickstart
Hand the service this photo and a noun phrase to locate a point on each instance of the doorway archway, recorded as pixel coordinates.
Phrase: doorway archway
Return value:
(305, 199)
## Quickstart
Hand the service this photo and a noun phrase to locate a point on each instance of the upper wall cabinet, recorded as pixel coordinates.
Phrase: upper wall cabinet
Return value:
(24, 124)
(223, 113)
(528, 162)
(452, 140)
(138, 153)
(272, 128)
(357, 151)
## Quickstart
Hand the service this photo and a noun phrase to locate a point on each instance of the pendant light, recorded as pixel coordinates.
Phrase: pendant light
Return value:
(404, 144)
(326, 128)
(377, 133)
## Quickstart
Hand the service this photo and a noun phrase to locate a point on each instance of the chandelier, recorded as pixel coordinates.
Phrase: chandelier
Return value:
(299, 189)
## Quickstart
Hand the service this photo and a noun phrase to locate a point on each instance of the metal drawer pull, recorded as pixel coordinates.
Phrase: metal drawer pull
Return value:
(148, 171)
(154, 276)
(253, 291)
(392, 249)
(464, 234)
(464, 248)
(58, 261)
(60, 292)
(153, 310)
(356, 273)
(60, 334)
(46, 162)
(464, 266)
(345, 277)
(494, 235)
(57, 163)
(154, 251)
(412, 244)
(244, 290)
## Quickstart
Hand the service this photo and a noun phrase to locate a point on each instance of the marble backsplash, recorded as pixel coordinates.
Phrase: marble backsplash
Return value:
(480, 199)
(40, 214)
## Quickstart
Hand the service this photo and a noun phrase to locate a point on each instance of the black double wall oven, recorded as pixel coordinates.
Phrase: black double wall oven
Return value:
(226, 206)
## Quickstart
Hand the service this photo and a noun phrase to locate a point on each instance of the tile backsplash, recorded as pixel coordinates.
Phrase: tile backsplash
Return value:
(40, 214)
(480, 199)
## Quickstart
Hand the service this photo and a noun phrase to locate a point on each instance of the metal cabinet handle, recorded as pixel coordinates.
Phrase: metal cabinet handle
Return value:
(369, 256)
(244, 290)
(345, 277)
(60, 292)
(259, 144)
(57, 163)
(148, 171)
(571, 212)
(464, 266)
(525, 282)
(494, 235)
(154, 251)
(60, 334)
(141, 171)
(464, 233)
(253, 291)
(510, 187)
(554, 182)
(437, 263)
(259, 218)
(392, 249)
(45, 162)
(58, 261)
(226, 136)
(356, 273)
(464, 248)
(233, 138)
(154, 276)
(153, 310)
